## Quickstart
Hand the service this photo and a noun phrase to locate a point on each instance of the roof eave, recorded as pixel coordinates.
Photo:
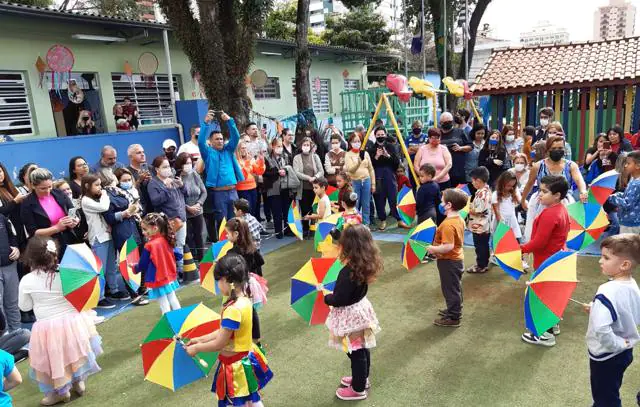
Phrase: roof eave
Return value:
(574, 85)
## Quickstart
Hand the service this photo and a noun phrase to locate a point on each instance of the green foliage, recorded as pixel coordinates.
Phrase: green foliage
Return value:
(281, 23)
(360, 28)
(117, 8)
(36, 3)
(354, 4)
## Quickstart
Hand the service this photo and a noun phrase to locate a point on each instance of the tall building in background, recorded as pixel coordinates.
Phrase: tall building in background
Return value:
(147, 9)
(544, 33)
(615, 20)
(391, 10)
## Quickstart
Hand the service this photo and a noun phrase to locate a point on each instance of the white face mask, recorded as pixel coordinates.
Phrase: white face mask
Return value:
(306, 149)
(510, 138)
(544, 122)
(187, 168)
(126, 185)
(335, 147)
(519, 167)
(356, 145)
(278, 150)
(166, 172)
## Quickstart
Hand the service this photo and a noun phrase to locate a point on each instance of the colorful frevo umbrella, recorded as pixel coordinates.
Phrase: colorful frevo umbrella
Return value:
(164, 357)
(506, 250)
(323, 228)
(464, 211)
(129, 255)
(208, 263)
(309, 286)
(82, 277)
(222, 230)
(406, 205)
(332, 192)
(588, 223)
(416, 244)
(549, 291)
(603, 186)
(294, 220)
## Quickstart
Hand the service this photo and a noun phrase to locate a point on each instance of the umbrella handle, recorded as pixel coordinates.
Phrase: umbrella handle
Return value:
(202, 362)
(578, 302)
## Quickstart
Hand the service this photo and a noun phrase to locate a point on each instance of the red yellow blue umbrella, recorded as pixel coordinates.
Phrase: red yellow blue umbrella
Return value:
(507, 251)
(464, 211)
(222, 230)
(416, 244)
(603, 186)
(294, 220)
(333, 194)
(588, 223)
(309, 286)
(208, 263)
(129, 255)
(323, 228)
(406, 205)
(82, 277)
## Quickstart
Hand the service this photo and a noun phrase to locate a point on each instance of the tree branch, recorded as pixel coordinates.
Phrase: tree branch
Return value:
(474, 23)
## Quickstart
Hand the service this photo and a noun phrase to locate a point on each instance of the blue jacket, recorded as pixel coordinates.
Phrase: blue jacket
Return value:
(121, 228)
(221, 166)
(628, 203)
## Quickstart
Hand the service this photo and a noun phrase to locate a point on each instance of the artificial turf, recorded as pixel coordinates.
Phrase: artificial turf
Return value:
(482, 363)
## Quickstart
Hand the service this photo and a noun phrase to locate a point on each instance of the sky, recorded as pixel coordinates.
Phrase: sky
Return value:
(510, 17)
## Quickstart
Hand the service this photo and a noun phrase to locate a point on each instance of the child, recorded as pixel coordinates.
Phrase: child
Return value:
(64, 342)
(242, 210)
(628, 202)
(447, 247)
(9, 254)
(352, 322)
(614, 316)
(158, 261)
(324, 205)
(343, 181)
(479, 221)
(242, 369)
(350, 214)
(11, 377)
(504, 201)
(402, 179)
(549, 236)
(428, 195)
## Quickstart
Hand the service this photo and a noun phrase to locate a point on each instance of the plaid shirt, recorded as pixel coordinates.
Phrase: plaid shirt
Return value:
(254, 228)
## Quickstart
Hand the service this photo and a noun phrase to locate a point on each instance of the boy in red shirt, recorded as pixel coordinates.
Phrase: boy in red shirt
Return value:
(549, 236)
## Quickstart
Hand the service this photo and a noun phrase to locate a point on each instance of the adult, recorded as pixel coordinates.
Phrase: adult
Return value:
(358, 165)
(329, 132)
(130, 112)
(493, 156)
(45, 211)
(308, 168)
(141, 174)
(252, 168)
(618, 141)
(257, 140)
(465, 115)
(169, 148)
(24, 178)
(521, 169)
(439, 157)
(289, 149)
(127, 185)
(108, 159)
(477, 136)
(195, 194)
(10, 200)
(458, 144)
(546, 116)
(85, 125)
(385, 160)
(222, 168)
(281, 184)
(416, 139)
(256, 145)
(191, 146)
(122, 124)
(599, 158)
(78, 168)
(166, 194)
(513, 144)
(318, 144)
(334, 159)
(555, 129)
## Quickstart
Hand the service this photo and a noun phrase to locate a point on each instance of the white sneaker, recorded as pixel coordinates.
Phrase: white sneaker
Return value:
(525, 265)
(556, 329)
(493, 260)
(545, 340)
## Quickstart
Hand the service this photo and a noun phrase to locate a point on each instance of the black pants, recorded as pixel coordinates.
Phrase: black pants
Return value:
(279, 205)
(360, 365)
(255, 325)
(481, 243)
(606, 379)
(306, 204)
(451, 284)
(195, 226)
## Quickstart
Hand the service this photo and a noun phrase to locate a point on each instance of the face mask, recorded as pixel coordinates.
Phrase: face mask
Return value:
(278, 150)
(510, 138)
(434, 141)
(86, 119)
(306, 149)
(335, 147)
(544, 122)
(519, 167)
(493, 142)
(556, 155)
(166, 172)
(381, 140)
(126, 185)
(187, 168)
(170, 154)
(355, 146)
(417, 131)
(447, 125)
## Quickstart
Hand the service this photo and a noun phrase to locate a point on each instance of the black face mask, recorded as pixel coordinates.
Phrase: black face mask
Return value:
(556, 155)
(381, 140)
(170, 155)
(86, 119)
(447, 126)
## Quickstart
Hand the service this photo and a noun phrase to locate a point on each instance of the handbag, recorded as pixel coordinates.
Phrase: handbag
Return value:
(175, 224)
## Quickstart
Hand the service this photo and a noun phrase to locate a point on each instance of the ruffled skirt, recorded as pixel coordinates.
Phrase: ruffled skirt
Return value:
(353, 327)
(239, 378)
(63, 351)
(259, 290)
(157, 292)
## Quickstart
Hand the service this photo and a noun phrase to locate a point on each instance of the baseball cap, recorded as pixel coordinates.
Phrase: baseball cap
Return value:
(169, 143)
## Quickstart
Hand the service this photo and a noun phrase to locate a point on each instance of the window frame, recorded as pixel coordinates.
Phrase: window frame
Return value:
(143, 99)
(27, 101)
(260, 93)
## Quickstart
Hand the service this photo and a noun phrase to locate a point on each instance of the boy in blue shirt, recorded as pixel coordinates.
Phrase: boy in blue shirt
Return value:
(428, 195)
(628, 202)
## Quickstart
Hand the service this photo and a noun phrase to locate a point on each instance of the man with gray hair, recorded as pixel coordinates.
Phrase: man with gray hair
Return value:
(141, 174)
(458, 144)
(108, 159)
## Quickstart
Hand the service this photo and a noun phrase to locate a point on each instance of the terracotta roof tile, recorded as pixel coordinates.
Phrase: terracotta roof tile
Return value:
(555, 65)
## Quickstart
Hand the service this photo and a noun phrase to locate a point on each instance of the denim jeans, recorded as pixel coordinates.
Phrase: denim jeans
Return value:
(251, 195)
(363, 189)
(9, 295)
(181, 238)
(223, 204)
(107, 254)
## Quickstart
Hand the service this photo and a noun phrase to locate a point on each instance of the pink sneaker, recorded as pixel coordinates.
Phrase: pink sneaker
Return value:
(347, 393)
(346, 381)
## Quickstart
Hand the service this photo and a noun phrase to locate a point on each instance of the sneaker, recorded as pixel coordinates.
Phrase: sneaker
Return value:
(346, 381)
(383, 225)
(106, 303)
(556, 330)
(269, 225)
(347, 393)
(403, 225)
(23, 354)
(493, 260)
(140, 300)
(98, 320)
(53, 398)
(143, 291)
(264, 233)
(79, 388)
(544, 340)
(119, 296)
(525, 265)
(447, 322)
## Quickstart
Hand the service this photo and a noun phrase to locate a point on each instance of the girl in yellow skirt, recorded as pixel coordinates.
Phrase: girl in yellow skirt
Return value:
(242, 369)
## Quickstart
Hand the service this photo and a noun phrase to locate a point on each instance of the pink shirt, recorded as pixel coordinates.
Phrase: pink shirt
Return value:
(52, 209)
(434, 157)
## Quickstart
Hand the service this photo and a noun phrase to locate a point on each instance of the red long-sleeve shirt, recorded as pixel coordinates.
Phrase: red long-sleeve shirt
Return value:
(549, 235)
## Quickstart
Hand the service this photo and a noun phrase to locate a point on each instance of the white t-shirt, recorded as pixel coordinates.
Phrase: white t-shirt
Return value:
(327, 206)
(507, 210)
(42, 292)
(192, 149)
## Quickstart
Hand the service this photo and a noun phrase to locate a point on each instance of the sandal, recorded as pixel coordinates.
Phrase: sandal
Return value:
(472, 270)
(482, 270)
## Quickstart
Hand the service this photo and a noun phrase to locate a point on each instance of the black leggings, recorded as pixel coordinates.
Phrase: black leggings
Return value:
(360, 364)
(306, 205)
(195, 225)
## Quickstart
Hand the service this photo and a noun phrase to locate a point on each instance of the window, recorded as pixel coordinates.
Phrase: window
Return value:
(321, 100)
(351, 84)
(271, 90)
(151, 95)
(15, 111)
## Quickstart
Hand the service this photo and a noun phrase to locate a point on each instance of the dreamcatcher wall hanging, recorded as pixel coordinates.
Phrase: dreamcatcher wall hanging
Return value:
(60, 60)
(148, 65)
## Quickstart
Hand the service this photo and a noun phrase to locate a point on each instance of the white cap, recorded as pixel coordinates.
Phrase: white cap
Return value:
(169, 143)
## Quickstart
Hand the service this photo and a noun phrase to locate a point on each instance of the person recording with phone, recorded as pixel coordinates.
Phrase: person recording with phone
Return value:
(385, 160)
(601, 155)
(141, 173)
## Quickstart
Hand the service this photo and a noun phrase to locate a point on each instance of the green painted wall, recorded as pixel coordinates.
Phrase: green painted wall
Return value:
(24, 39)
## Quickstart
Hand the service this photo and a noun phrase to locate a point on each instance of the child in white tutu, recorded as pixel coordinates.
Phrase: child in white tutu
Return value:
(64, 342)
(352, 322)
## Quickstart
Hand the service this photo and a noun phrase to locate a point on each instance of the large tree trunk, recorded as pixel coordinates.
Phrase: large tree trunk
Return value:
(303, 57)
(442, 40)
(474, 23)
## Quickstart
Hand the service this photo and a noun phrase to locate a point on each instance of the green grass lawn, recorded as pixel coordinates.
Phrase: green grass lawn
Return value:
(482, 363)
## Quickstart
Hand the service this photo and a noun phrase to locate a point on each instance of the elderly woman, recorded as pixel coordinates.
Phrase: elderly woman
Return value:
(195, 194)
(45, 212)
(308, 167)
(437, 155)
